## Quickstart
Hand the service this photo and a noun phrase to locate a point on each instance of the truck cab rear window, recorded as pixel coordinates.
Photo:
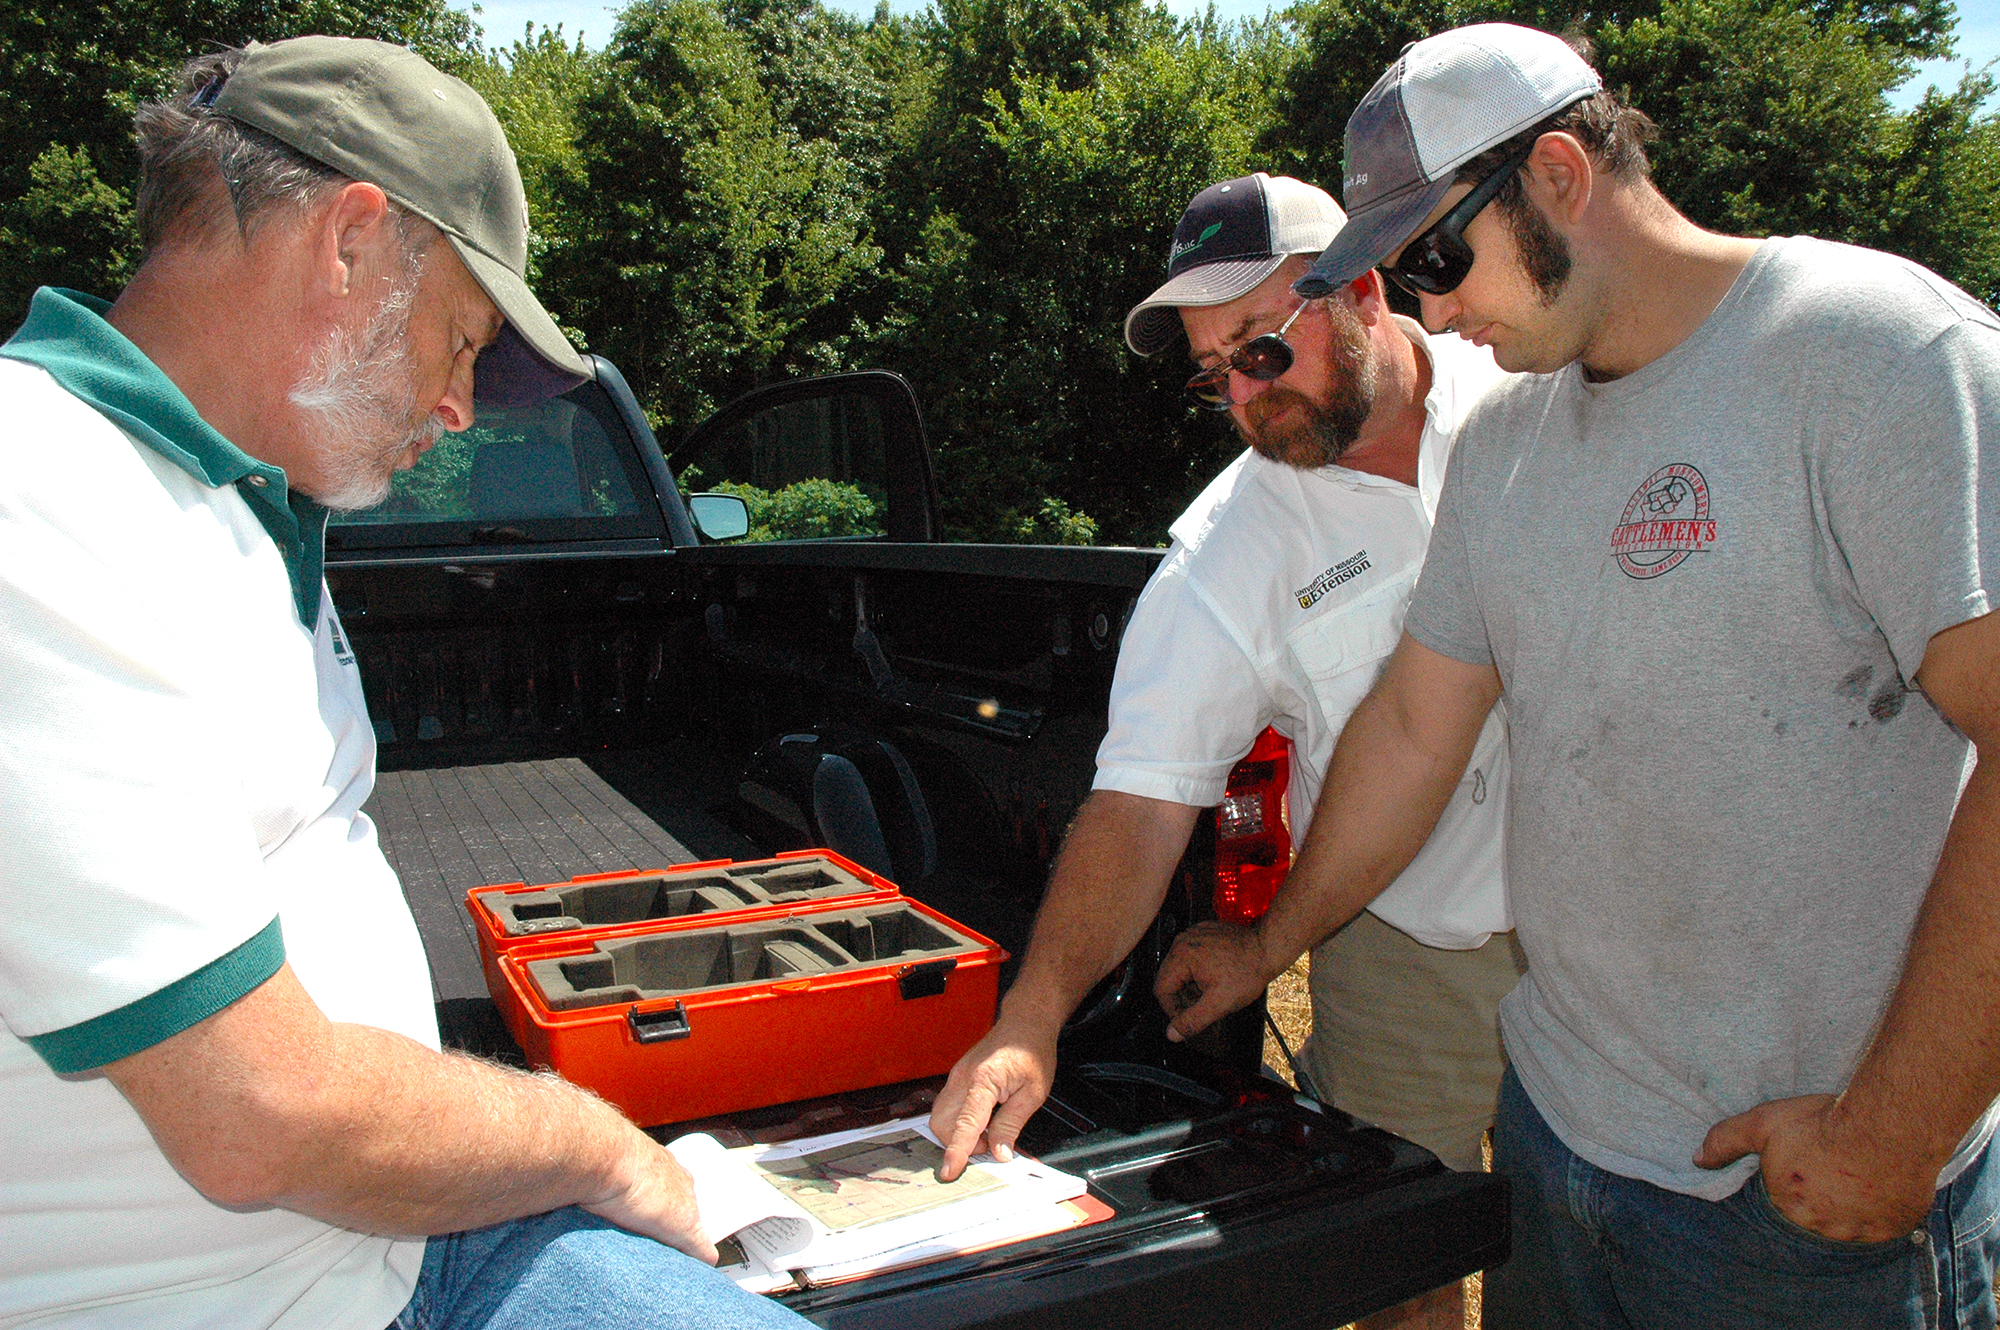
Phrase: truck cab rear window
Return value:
(558, 471)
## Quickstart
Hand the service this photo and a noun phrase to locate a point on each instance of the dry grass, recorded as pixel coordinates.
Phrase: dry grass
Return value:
(1291, 1010)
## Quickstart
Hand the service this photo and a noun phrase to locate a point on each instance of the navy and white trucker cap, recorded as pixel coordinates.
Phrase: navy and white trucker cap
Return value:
(1447, 99)
(1233, 236)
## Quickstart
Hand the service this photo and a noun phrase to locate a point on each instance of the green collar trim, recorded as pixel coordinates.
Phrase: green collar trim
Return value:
(67, 336)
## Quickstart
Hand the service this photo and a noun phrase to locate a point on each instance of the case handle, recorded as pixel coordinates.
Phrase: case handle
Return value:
(659, 1025)
(925, 978)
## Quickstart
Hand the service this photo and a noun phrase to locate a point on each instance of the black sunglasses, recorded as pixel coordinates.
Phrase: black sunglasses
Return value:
(1262, 358)
(1438, 260)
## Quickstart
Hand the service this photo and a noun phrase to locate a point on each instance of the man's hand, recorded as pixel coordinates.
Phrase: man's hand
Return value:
(654, 1197)
(1824, 1171)
(1213, 969)
(1107, 885)
(990, 1095)
(1863, 1167)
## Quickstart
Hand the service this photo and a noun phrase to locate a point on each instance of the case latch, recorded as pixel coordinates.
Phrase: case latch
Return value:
(925, 978)
(664, 1023)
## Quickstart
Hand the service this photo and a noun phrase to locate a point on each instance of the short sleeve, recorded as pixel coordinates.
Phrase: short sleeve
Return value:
(1444, 613)
(1913, 495)
(134, 890)
(1187, 700)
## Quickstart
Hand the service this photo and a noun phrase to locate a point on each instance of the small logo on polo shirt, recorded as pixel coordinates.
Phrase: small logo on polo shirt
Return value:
(1666, 521)
(1345, 571)
(341, 652)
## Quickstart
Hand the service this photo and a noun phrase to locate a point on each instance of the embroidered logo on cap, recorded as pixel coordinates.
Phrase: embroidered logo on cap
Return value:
(1207, 234)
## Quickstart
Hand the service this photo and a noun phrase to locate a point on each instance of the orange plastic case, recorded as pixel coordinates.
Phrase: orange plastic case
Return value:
(715, 1011)
(509, 916)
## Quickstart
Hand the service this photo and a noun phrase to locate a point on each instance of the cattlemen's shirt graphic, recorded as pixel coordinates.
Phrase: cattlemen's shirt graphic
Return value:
(1346, 570)
(1666, 521)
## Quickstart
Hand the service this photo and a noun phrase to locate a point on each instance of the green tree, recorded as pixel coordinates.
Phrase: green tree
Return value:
(535, 87)
(703, 234)
(1013, 292)
(1775, 121)
(807, 510)
(1774, 118)
(72, 73)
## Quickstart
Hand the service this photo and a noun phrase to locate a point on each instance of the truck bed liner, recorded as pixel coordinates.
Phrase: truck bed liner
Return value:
(450, 829)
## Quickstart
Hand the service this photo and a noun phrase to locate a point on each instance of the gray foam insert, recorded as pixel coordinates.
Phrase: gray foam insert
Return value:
(676, 964)
(670, 895)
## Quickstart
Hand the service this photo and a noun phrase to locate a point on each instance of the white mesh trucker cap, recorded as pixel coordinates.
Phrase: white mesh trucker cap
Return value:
(1233, 236)
(1447, 99)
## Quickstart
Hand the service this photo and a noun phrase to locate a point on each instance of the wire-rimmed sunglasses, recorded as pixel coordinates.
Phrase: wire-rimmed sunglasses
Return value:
(1438, 260)
(1263, 358)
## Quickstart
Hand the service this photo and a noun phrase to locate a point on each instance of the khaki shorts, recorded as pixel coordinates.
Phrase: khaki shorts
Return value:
(1407, 1036)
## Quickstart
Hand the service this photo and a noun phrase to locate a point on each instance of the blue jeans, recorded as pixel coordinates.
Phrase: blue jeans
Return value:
(572, 1270)
(1593, 1249)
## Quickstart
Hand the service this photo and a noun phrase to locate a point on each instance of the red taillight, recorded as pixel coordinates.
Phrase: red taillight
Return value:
(1253, 847)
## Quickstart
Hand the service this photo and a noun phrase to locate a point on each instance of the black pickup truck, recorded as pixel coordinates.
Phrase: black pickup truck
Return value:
(573, 666)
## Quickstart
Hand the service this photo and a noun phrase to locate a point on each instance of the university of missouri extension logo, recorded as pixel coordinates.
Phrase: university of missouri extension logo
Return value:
(1345, 571)
(1666, 521)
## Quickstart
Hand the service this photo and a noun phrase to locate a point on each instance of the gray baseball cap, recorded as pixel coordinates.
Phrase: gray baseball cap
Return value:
(1234, 235)
(1447, 99)
(384, 114)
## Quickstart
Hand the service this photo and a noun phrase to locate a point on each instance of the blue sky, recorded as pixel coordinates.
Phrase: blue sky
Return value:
(1978, 27)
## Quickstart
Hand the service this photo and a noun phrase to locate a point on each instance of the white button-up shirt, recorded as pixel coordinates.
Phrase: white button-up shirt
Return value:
(1278, 603)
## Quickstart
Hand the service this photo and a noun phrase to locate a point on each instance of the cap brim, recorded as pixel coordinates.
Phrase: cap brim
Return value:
(531, 361)
(1152, 324)
(1369, 237)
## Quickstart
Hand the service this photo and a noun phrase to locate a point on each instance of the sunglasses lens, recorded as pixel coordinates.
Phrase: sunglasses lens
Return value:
(1261, 358)
(1433, 263)
(1211, 388)
(1264, 358)
(1396, 275)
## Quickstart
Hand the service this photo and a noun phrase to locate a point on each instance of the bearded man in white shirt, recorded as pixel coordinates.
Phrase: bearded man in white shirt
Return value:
(1281, 595)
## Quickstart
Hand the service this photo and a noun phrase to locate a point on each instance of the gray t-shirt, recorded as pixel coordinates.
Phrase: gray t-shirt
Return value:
(1706, 586)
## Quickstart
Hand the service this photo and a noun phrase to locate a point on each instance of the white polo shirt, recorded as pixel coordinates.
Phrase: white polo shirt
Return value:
(182, 768)
(1278, 603)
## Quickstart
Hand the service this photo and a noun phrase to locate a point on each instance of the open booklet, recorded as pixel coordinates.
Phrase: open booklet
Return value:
(856, 1202)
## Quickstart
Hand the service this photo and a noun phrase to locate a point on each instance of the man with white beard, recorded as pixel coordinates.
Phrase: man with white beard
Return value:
(219, 1064)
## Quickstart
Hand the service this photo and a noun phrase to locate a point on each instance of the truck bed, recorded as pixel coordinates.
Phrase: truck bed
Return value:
(1238, 1204)
(448, 829)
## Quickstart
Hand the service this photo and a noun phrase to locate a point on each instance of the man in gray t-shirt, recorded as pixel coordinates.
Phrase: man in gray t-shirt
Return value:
(1721, 549)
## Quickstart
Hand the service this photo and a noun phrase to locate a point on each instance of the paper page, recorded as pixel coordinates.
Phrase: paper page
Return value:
(887, 1218)
(1039, 1221)
(747, 1272)
(732, 1198)
(871, 1181)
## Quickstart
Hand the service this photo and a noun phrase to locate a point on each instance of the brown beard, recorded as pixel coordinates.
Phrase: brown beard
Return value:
(1318, 432)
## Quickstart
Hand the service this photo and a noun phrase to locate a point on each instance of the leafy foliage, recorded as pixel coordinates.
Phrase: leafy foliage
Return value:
(1773, 123)
(534, 88)
(1057, 524)
(808, 510)
(73, 71)
(702, 235)
(441, 487)
(735, 192)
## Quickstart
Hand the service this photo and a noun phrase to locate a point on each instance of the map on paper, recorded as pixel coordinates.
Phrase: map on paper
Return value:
(868, 1182)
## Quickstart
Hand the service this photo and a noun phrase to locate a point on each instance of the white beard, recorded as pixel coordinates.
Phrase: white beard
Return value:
(359, 399)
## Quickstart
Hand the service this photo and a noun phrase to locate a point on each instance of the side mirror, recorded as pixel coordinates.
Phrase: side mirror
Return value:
(719, 516)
